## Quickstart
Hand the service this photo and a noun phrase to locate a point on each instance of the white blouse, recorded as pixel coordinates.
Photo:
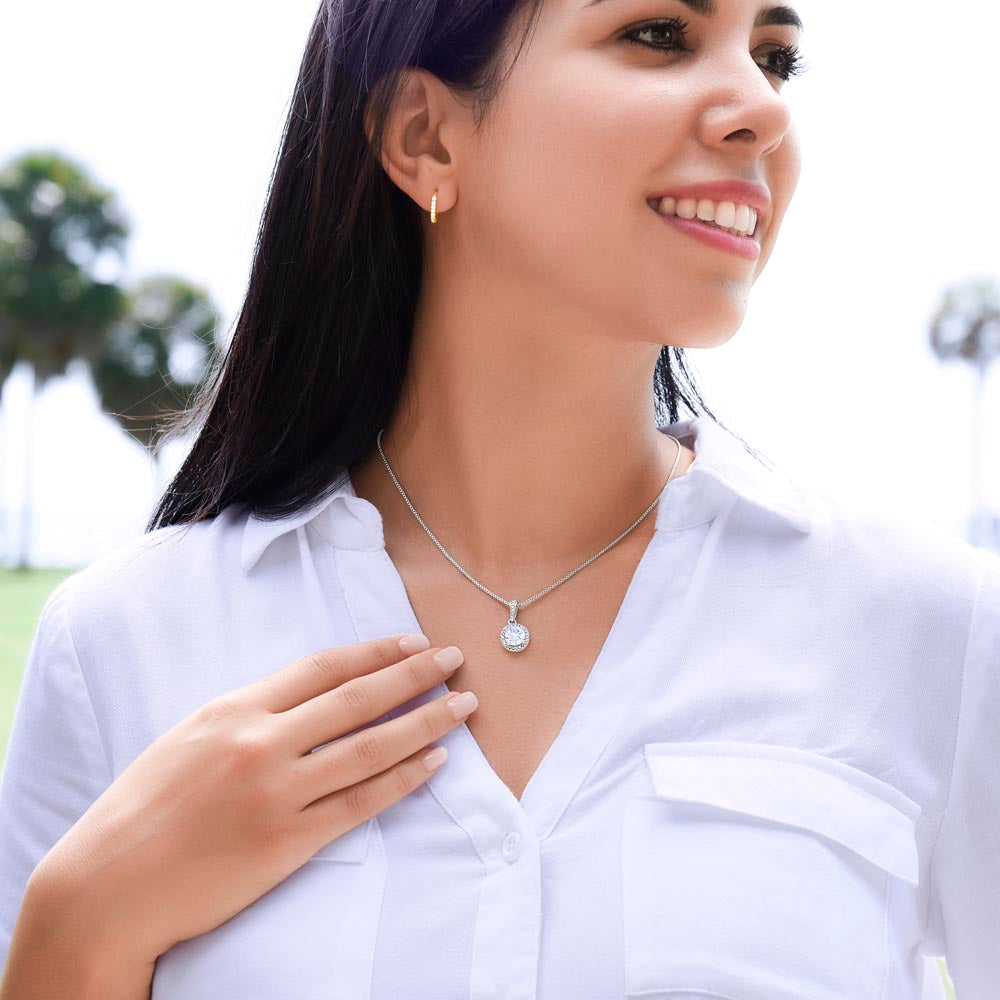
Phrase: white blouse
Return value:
(781, 780)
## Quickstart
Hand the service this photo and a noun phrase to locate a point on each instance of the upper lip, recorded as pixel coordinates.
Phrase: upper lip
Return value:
(756, 196)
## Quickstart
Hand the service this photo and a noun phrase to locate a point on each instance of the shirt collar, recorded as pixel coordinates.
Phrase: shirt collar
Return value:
(722, 474)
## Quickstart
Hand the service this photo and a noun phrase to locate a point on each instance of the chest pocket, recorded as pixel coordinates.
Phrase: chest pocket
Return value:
(311, 937)
(760, 872)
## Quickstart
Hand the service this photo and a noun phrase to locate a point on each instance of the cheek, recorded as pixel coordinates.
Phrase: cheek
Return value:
(591, 134)
(560, 191)
(784, 166)
(784, 169)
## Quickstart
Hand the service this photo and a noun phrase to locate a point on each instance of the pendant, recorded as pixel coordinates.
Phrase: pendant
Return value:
(514, 636)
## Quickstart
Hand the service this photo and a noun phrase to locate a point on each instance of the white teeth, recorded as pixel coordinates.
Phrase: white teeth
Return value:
(706, 210)
(740, 220)
(725, 215)
(687, 208)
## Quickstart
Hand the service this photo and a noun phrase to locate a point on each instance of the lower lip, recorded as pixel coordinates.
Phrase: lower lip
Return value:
(745, 246)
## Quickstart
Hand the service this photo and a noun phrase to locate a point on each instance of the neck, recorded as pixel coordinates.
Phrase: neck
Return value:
(521, 453)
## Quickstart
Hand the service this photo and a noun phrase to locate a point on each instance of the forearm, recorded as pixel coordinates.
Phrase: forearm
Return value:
(61, 950)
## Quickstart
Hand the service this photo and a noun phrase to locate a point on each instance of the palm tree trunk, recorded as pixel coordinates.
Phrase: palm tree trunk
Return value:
(25, 539)
(979, 533)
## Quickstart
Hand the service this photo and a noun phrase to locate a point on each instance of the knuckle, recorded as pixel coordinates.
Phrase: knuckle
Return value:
(274, 839)
(223, 709)
(354, 696)
(247, 746)
(357, 799)
(325, 667)
(416, 671)
(386, 649)
(368, 749)
(402, 781)
(430, 721)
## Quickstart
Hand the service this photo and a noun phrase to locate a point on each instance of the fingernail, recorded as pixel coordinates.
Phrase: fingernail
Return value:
(435, 758)
(414, 643)
(462, 704)
(448, 658)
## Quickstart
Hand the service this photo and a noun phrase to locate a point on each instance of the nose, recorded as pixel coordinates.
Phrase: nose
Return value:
(742, 104)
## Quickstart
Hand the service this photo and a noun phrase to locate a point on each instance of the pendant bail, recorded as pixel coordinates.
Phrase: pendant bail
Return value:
(513, 613)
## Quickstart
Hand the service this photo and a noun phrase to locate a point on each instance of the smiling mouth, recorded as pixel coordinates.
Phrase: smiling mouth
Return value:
(712, 234)
(746, 221)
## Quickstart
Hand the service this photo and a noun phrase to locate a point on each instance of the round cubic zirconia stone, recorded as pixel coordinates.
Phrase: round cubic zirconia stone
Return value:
(514, 637)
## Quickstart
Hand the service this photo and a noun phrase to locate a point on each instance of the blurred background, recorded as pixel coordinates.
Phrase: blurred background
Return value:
(135, 149)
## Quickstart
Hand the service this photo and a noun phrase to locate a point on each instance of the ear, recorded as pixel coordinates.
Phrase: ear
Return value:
(421, 145)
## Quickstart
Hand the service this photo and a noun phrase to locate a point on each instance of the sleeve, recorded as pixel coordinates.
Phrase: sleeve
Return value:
(965, 862)
(55, 765)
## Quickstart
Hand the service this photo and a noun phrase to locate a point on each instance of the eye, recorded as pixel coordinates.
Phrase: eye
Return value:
(675, 25)
(789, 60)
(790, 64)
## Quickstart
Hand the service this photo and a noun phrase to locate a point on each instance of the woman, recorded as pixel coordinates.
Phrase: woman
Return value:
(741, 745)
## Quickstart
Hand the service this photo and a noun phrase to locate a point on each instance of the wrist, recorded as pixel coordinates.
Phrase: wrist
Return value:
(73, 930)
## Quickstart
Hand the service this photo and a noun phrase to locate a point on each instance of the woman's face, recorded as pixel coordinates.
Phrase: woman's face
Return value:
(589, 126)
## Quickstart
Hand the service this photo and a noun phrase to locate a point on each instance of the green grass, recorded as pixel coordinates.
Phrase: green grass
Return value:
(22, 594)
(948, 988)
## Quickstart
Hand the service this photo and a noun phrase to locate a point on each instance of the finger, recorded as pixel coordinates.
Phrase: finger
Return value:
(362, 774)
(341, 812)
(360, 700)
(324, 670)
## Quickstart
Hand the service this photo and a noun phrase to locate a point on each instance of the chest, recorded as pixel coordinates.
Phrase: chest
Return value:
(654, 848)
(526, 697)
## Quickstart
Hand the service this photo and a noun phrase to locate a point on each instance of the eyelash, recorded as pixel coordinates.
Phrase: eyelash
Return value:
(791, 54)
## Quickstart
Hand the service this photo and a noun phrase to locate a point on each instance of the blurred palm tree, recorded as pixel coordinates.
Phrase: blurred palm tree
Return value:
(62, 239)
(966, 327)
(156, 357)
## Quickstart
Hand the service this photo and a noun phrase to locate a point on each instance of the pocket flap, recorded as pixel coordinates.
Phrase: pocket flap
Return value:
(796, 787)
(350, 846)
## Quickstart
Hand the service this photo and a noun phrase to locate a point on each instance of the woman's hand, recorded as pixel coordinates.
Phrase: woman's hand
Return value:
(232, 800)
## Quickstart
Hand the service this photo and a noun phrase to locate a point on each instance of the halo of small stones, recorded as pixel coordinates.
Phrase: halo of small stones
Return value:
(514, 637)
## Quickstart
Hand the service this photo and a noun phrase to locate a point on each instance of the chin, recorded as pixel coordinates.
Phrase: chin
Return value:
(700, 328)
(724, 328)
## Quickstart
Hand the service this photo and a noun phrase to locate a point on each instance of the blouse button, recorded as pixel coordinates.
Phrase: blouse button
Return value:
(512, 846)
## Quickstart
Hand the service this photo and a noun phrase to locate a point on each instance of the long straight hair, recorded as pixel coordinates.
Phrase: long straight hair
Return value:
(321, 343)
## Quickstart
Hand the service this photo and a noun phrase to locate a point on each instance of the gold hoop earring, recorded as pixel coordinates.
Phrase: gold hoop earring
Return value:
(434, 206)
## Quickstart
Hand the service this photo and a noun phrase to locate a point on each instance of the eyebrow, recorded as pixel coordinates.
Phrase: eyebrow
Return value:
(767, 17)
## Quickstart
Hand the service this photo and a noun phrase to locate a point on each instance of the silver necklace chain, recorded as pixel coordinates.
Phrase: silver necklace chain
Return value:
(514, 636)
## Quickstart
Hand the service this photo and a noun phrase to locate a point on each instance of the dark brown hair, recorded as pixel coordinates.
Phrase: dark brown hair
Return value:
(320, 348)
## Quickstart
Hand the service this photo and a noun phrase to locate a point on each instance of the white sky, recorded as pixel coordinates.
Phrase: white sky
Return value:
(180, 109)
